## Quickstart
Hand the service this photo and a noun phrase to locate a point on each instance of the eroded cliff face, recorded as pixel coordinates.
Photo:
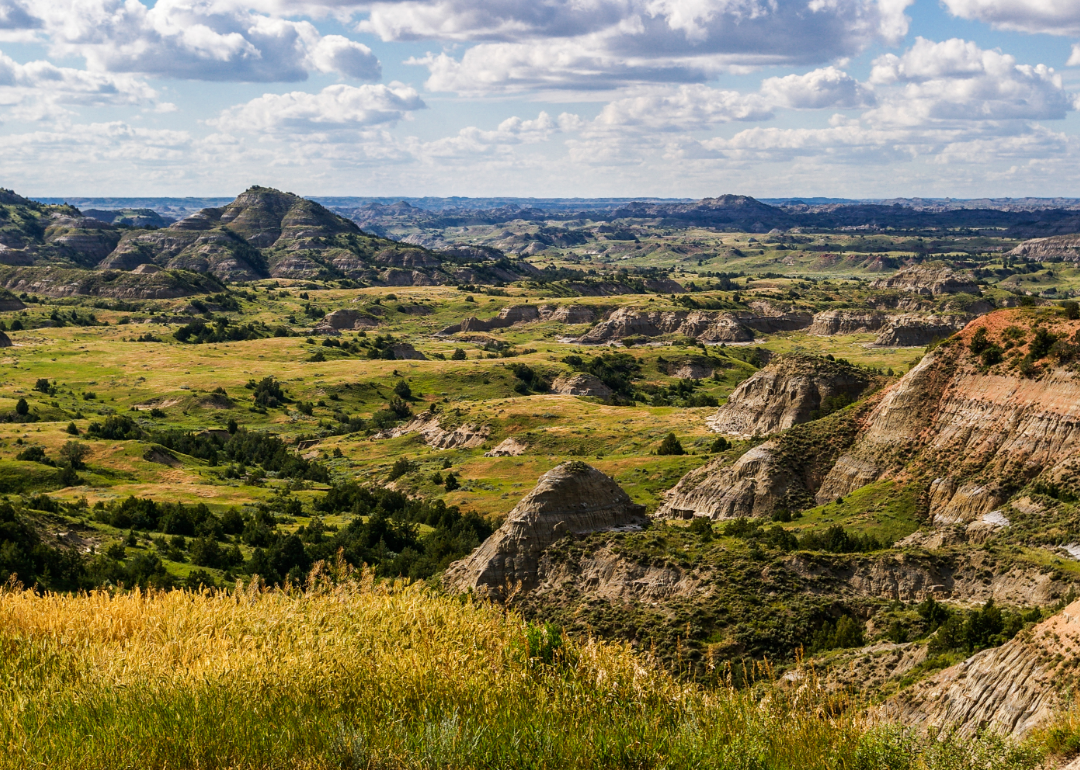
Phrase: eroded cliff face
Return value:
(706, 326)
(976, 433)
(932, 278)
(792, 389)
(1013, 688)
(830, 322)
(571, 499)
(919, 330)
(1056, 247)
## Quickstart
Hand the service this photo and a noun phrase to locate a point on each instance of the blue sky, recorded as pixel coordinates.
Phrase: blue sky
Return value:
(680, 98)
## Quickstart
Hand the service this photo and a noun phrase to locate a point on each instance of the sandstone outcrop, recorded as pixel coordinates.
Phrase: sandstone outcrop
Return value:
(1065, 247)
(701, 325)
(580, 385)
(830, 322)
(912, 330)
(931, 278)
(404, 351)
(571, 499)
(516, 314)
(345, 319)
(1012, 689)
(791, 389)
(9, 302)
(437, 437)
(509, 447)
(754, 486)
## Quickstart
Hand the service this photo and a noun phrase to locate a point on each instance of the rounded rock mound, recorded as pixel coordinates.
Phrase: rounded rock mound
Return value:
(570, 499)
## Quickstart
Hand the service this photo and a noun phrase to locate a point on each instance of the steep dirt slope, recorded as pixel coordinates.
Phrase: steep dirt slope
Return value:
(1012, 688)
(970, 434)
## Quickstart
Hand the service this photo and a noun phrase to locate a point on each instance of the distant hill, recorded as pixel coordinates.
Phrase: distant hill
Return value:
(263, 233)
(130, 217)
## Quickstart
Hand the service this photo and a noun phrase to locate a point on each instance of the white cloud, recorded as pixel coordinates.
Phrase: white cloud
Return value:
(194, 39)
(955, 80)
(1052, 17)
(603, 44)
(40, 89)
(822, 88)
(335, 53)
(473, 142)
(689, 108)
(1074, 59)
(335, 108)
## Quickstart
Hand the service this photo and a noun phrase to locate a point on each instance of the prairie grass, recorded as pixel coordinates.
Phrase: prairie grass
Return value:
(351, 673)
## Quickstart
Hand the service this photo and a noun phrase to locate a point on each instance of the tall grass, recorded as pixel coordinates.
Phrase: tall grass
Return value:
(354, 674)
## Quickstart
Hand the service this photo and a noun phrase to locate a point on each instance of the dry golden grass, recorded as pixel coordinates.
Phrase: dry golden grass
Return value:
(354, 674)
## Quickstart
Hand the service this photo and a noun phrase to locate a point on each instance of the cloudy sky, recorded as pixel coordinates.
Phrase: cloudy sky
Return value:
(674, 98)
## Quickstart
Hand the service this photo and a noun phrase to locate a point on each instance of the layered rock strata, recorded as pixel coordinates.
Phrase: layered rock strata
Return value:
(1011, 689)
(792, 389)
(932, 278)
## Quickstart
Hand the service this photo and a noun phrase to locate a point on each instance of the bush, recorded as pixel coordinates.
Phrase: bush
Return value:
(402, 389)
(458, 355)
(720, 445)
(34, 454)
(452, 482)
(670, 446)
(400, 468)
(22, 408)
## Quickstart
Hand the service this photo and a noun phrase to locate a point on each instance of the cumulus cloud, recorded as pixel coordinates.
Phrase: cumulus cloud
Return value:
(193, 39)
(335, 108)
(1052, 17)
(1074, 59)
(335, 53)
(608, 43)
(956, 80)
(472, 141)
(15, 16)
(689, 108)
(820, 89)
(40, 89)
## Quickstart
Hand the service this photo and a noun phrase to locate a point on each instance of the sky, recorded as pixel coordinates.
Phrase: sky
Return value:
(541, 98)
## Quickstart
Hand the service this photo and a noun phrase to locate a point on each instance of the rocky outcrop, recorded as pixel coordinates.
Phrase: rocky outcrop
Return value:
(509, 447)
(580, 385)
(571, 499)
(61, 282)
(5, 341)
(403, 351)
(506, 318)
(9, 302)
(518, 314)
(914, 330)
(341, 320)
(754, 486)
(792, 389)
(571, 314)
(1011, 689)
(931, 278)
(701, 325)
(1065, 247)
(435, 436)
(830, 322)
(975, 435)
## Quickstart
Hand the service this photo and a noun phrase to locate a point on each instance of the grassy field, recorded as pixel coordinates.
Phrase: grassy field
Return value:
(353, 674)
